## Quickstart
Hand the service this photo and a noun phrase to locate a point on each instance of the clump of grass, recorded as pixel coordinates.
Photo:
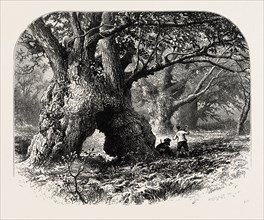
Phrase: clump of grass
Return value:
(164, 189)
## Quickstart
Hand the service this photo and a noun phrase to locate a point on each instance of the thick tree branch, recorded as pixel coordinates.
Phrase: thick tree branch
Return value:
(77, 31)
(51, 46)
(145, 72)
(45, 38)
(88, 33)
(183, 59)
(105, 33)
(110, 57)
(95, 24)
(206, 76)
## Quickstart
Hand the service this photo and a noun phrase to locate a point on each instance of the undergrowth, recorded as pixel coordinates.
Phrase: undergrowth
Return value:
(91, 179)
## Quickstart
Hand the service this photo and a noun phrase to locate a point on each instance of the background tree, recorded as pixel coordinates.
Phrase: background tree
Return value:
(177, 83)
(245, 90)
(29, 84)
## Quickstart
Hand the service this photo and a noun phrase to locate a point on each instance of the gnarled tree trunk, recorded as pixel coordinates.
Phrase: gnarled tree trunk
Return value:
(127, 134)
(67, 116)
(81, 99)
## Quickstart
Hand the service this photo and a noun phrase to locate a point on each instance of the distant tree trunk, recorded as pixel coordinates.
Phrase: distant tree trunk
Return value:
(243, 117)
(164, 113)
(187, 115)
(164, 102)
(185, 109)
(193, 116)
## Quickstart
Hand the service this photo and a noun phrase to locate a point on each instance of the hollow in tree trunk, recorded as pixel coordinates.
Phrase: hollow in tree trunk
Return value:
(127, 135)
(82, 98)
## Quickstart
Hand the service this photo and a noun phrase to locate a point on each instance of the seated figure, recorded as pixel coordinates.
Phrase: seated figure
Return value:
(164, 148)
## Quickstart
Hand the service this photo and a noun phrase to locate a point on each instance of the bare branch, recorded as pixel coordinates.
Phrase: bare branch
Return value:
(194, 96)
(45, 38)
(213, 63)
(206, 76)
(106, 33)
(200, 84)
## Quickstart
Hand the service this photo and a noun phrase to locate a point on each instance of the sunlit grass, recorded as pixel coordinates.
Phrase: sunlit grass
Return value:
(213, 164)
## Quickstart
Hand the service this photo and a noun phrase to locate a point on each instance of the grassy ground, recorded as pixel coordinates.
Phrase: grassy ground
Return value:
(217, 160)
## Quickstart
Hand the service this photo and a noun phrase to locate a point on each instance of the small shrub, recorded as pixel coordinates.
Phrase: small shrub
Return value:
(21, 144)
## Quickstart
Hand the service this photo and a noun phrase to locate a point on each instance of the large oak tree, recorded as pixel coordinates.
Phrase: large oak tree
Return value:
(91, 55)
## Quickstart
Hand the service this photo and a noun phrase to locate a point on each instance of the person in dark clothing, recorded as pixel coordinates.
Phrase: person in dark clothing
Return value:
(164, 148)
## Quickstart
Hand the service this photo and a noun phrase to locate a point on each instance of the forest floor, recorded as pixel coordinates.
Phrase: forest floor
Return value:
(217, 161)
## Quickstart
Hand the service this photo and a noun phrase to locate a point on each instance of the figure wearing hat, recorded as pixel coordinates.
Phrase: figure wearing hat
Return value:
(164, 147)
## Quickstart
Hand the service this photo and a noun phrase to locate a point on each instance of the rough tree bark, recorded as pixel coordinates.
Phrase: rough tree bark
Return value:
(81, 99)
(66, 118)
(127, 134)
